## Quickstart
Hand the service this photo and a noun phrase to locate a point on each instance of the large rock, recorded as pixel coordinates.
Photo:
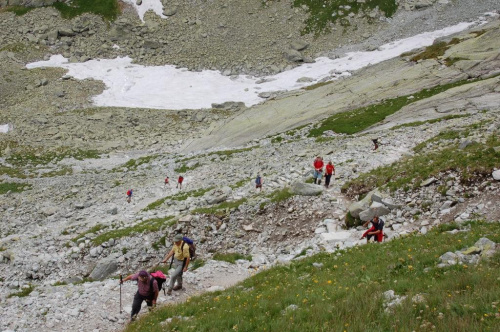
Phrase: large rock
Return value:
(105, 267)
(336, 237)
(376, 209)
(356, 208)
(496, 175)
(299, 45)
(294, 56)
(306, 189)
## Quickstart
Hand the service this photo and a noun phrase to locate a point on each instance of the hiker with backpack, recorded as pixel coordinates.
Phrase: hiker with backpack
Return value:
(258, 182)
(180, 258)
(318, 169)
(375, 144)
(147, 291)
(167, 181)
(129, 195)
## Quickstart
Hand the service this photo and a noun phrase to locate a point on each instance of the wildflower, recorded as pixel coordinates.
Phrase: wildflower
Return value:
(410, 267)
(329, 281)
(229, 297)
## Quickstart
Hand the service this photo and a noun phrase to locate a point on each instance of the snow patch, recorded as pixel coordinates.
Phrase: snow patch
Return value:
(4, 129)
(168, 87)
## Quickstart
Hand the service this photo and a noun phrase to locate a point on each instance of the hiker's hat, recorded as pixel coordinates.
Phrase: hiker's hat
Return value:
(178, 238)
(143, 274)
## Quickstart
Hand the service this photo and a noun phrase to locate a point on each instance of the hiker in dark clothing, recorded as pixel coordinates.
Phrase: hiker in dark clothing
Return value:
(147, 291)
(376, 230)
(258, 182)
(375, 143)
(181, 261)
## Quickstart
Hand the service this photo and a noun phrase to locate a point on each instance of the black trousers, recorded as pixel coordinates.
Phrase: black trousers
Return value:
(327, 179)
(136, 305)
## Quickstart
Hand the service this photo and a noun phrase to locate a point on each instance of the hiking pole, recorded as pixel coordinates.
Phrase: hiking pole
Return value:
(121, 282)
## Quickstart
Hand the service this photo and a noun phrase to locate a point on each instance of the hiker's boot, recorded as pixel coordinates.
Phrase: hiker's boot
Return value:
(177, 287)
(169, 291)
(314, 181)
(319, 182)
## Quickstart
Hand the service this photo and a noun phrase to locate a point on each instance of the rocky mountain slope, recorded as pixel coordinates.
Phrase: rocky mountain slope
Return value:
(65, 219)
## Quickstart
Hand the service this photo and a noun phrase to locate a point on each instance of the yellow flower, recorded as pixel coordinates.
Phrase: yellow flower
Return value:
(329, 281)
(229, 297)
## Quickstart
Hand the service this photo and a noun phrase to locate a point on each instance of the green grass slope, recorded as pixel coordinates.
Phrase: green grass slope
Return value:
(345, 293)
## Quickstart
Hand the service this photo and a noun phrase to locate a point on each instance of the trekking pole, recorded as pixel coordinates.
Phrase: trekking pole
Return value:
(121, 282)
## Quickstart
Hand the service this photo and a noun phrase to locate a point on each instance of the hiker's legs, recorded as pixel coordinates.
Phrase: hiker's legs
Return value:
(327, 180)
(177, 273)
(136, 305)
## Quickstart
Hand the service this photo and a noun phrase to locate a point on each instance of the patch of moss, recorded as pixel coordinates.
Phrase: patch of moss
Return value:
(13, 187)
(325, 12)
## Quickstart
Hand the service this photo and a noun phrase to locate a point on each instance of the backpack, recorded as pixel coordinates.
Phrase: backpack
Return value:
(160, 279)
(192, 247)
(129, 193)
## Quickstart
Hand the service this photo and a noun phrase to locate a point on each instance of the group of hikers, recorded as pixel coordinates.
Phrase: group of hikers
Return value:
(147, 285)
(318, 171)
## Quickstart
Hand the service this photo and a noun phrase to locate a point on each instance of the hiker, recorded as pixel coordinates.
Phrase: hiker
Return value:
(258, 182)
(318, 169)
(375, 230)
(330, 170)
(129, 195)
(147, 290)
(166, 181)
(375, 143)
(179, 182)
(181, 259)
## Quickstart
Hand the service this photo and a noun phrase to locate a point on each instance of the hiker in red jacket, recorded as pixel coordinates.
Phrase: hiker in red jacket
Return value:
(376, 230)
(179, 182)
(318, 169)
(330, 170)
(147, 291)
(129, 195)
(166, 181)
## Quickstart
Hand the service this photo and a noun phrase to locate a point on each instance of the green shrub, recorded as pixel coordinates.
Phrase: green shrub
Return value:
(108, 9)
(220, 209)
(19, 10)
(351, 222)
(13, 187)
(322, 13)
(231, 257)
(23, 292)
(146, 226)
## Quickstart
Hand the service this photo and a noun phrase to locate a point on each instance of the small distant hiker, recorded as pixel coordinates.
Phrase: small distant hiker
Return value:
(181, 259)
(330, 170)
(179, 182)
(147, 291)
(129, 195)
(375, 143)
(258, 182)
(166, 181)
(318, 169)
(376, 230)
